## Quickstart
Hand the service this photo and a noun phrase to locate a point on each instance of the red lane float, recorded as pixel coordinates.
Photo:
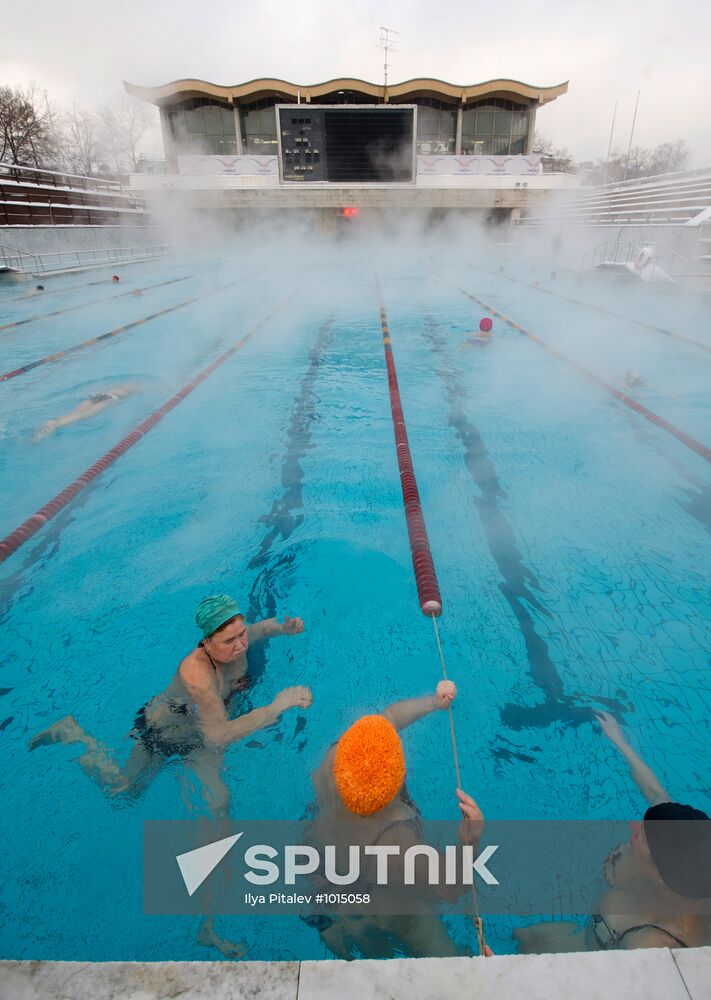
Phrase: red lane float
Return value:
(20, 535)
(654, 418)
(423, 565)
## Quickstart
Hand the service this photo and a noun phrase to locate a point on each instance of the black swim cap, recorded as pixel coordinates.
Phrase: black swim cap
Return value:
(681, 850)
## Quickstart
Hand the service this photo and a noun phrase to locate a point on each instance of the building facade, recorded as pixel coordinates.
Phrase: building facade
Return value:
(343, 136)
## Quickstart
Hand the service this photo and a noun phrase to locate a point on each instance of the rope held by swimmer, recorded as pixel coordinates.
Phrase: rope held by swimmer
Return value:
(422, 562)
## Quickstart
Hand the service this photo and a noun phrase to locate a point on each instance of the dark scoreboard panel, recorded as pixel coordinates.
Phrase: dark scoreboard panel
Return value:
(346, 143)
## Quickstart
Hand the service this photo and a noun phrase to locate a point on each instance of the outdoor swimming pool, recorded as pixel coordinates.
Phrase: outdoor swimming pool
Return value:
(571, 537)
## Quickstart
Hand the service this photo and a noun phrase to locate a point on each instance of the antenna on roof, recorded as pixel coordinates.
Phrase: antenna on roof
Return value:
(387, 44)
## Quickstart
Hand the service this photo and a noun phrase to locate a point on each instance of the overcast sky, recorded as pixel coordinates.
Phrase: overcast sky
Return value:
(81, 50)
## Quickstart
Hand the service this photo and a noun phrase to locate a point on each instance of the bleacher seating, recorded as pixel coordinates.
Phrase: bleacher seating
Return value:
(34, 197)
(682, 198)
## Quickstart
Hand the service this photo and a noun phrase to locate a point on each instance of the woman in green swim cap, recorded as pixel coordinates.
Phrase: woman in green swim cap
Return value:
(190, 718)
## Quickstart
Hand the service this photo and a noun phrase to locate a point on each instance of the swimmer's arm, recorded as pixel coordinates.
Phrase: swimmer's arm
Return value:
(643, 776)
(217, 728)
(270, 627)
(404, 713)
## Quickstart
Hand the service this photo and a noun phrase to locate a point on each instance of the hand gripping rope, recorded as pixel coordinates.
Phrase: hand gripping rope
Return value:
(654, 418)
(20, 535)
(422, 562)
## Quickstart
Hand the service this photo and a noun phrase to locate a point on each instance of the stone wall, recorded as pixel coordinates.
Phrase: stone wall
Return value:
(50, 239)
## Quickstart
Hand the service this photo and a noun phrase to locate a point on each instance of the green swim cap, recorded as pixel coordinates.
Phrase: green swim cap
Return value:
(214, 611)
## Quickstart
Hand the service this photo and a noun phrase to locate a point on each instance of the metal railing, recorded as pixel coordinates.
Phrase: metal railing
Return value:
(620, 254)
(57, 178)
(63, 260)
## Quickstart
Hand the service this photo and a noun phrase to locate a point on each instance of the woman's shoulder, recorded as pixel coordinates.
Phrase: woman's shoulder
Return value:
(194, 668)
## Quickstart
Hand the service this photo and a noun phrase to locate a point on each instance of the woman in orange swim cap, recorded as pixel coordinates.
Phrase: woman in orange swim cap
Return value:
(363, 801)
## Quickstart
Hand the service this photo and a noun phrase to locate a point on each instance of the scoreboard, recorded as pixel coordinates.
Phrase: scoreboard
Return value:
(347, 143)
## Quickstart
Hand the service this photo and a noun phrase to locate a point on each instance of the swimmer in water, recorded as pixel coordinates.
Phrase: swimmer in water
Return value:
(190, 719)
(362, 799)
(633, 380)
(654, 882)
(478, 338)
(89, 408)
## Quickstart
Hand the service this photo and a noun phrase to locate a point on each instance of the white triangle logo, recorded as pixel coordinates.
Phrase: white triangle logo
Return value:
(196, 865)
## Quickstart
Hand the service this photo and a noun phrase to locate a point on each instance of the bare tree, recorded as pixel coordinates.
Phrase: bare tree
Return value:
(122, 124)
(26, 126)
(81, 151)
(664, 158)
(669, 156)
(554, 159)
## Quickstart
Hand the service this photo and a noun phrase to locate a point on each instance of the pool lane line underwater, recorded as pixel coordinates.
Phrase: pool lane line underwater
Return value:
(95, 302)
(591, 305)
(32, 525)
(519, 581)
(281, 521)
(428, 592)
(654, 418)
(58, 355)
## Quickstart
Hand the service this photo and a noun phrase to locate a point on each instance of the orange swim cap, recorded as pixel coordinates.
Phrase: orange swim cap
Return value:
(369, 766)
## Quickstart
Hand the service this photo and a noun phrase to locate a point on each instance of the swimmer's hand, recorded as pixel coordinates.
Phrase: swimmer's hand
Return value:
(292, 626)
(472, 825)
(270, 627)
(293, 697)
(611, 728)
(445, 694)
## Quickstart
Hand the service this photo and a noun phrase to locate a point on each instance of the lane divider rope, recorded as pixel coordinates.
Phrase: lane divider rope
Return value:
(422, 562)
(23, 369)
(93, 302)
(423, 565)
(28, 528)
(654, 418)
(602, 309)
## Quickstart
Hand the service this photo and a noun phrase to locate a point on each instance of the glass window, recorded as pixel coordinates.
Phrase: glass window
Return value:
(259, 129)
(519, 123)
(213, 121)
(427, 121)
(250, 121)
(494, 127)
(194, 122)
(200, 125)
(484, 122)
(436, 127)
(502, 123)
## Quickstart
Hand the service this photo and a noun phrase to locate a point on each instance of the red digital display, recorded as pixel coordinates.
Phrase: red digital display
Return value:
(350, 212)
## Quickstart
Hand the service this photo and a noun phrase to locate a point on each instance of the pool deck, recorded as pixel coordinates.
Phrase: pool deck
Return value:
(646, 974)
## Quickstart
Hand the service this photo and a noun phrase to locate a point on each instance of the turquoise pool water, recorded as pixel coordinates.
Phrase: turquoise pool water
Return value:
(571, 539)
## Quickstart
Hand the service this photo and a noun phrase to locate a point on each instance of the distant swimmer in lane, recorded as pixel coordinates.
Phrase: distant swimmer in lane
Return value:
(88, 408)
(482, 336)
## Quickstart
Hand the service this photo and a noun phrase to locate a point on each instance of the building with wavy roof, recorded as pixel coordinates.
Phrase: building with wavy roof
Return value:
(423, 143)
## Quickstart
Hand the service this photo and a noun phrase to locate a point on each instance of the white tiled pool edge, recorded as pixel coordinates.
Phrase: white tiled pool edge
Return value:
(646, 974)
